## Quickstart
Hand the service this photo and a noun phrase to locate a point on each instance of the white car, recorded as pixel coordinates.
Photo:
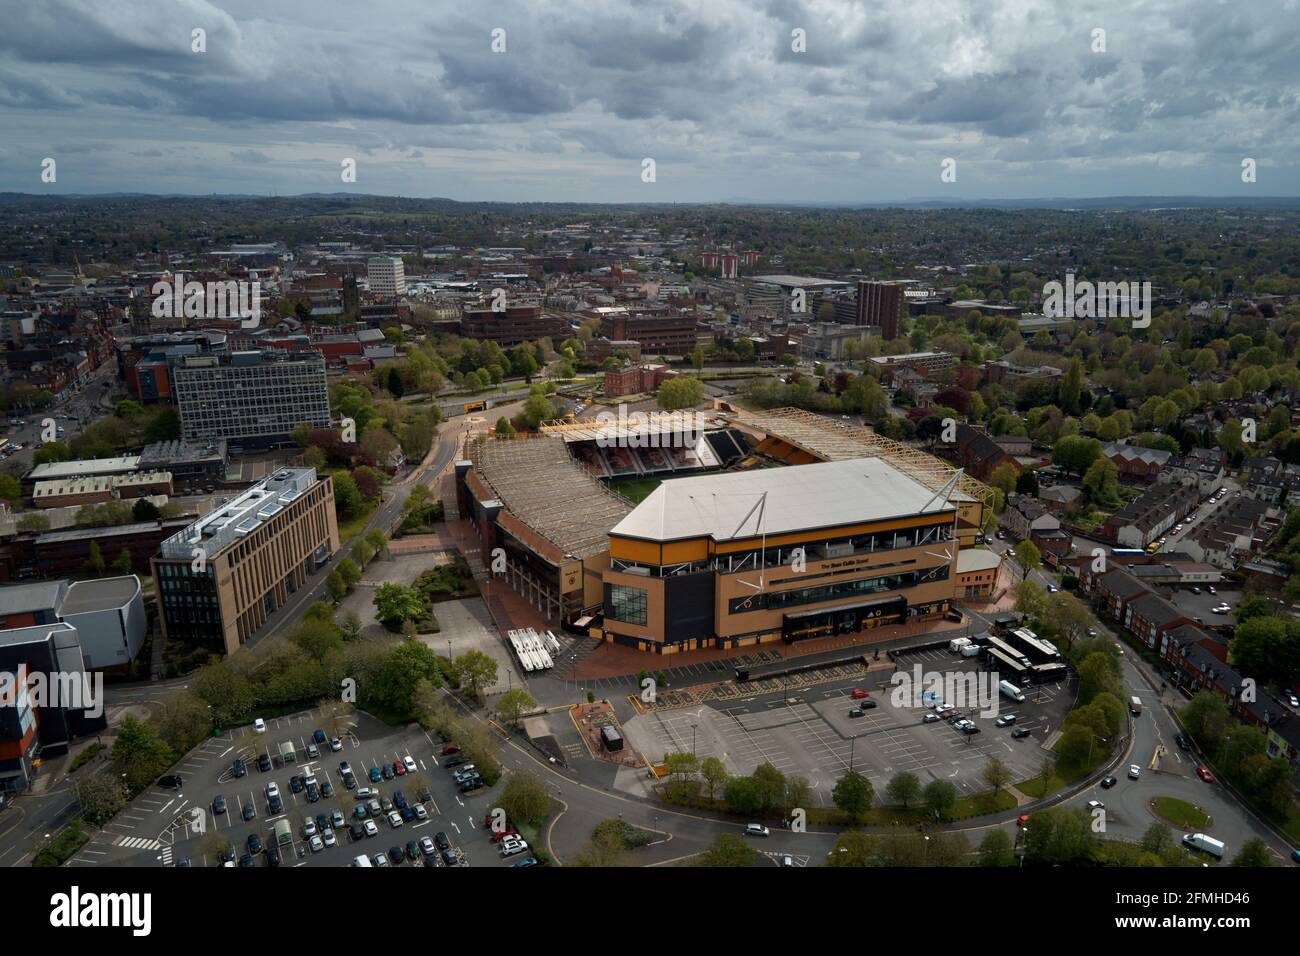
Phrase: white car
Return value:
(395, 819)
(330, 839)
(510, 846)
(757, 829)
(371, 828)
(420, 812)
(259, 725)
(1134, 771)
(309, 828)
(272, 790)
(410, 764)
(335, 744)
(316, 844)
(1094, 805)
(1220, 609)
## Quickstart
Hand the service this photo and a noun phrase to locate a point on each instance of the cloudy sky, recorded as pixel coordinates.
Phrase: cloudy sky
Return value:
(1013, 90)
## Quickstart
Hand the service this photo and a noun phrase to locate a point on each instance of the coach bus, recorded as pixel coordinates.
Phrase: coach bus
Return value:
(1006, 650)
(1006, 666)
(1031, 647)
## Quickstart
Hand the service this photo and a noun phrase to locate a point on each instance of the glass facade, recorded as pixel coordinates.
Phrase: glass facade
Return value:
(626, 604)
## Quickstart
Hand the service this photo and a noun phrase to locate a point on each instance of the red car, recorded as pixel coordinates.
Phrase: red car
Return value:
(399, 768)
(499, 835)
(859, 693)
(449, 749)
(1204, 773)
(1022, 819)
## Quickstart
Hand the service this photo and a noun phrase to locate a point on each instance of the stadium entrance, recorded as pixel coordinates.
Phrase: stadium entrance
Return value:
(843, 620)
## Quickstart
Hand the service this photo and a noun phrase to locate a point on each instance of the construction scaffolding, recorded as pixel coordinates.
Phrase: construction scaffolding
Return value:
(544, 488)
(826, 440)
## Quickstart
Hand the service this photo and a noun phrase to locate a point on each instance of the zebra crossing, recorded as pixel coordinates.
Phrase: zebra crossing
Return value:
(137, 843)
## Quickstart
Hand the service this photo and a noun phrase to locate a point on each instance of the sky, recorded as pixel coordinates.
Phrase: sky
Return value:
(1014, 99)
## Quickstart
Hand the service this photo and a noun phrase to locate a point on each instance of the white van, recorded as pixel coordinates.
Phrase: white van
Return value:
(362, 860)
(1134, 706)
(1011, 691)
(957, 644)
(1199, 841)
(971, 650)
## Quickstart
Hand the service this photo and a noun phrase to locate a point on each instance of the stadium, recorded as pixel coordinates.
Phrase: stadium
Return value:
(720, 529)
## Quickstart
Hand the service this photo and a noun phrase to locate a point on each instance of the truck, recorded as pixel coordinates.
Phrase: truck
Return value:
(1199, 841)
(957, 643)
(1010, 690)
(1134, 706)
(971, 650)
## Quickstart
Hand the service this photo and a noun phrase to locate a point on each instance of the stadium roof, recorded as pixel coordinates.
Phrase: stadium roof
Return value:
(544, 488)
(99, 595)
(799, 498)
(608, 427)
(832, 441)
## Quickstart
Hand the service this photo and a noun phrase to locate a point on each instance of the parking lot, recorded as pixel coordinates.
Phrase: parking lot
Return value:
(165, 826)
(809, 731)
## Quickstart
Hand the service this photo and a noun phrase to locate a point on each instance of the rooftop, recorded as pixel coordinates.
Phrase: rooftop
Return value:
(99, 595)
(773, 501)
(240, 515)
(36, 596)
(86, 467)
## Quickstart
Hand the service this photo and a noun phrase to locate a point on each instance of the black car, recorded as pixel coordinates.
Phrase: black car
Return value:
(1108, 783)
(867, 704)
(238, 768)
(183, 862)
(412, 850)
(856, 712)
(357, 831)
(272, 856)
(263, 763)
(327, 789)
(349, 782)
(455, 760)
(1019, 733)
(313, 793)
(276, 804)
(430, 861)
(250, 811)
(386, 772)
(246, 861)
(295, 783)
(440, 841)
(399, 800)
(448, 858)
(254, 844)
(228, 854)
(395, 855)
(470, 783)
(1182, 741)
(218, 804)
(319, 737)
(171, 781)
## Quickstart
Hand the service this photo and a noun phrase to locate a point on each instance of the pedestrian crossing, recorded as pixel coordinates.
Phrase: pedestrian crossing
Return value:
(166, 856)
(136, 843)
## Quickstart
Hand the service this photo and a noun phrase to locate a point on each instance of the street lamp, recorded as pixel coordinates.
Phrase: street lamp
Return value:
(693, 726)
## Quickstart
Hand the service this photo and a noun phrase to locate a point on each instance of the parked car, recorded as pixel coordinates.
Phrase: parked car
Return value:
(859, 693)
(386, 771)
(440, 839)
(1006, 720)
(455, 760)
(316, 844)
(335, 744)
(263, 763)
(409, 764)
(856, 712)
(259, 725)
(319, 736)
(375, 775)
(1095, 805)
(295, 783)
(395, 855)
(929, 718)
(1182, 741)
(238, 768)
(420, 812)
(250, 811)
(218, 804)
(399, 768)
(371, 827)
(1019, 733)
(254, 843)
(427, 847)
(394, 819)
(449, 749)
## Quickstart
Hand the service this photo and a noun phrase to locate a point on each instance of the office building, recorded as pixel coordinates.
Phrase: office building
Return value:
(220, 578)
(386, 276)
(881, 304)
(251, 399)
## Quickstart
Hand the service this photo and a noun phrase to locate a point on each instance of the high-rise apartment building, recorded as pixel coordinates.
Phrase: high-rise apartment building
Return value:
(220, 578)
(251, 399)
(881, 304)
(387, 276)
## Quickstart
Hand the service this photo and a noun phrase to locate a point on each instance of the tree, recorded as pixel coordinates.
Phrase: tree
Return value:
(684, 391)
(1027, 556)
(407, 664)
(940, 796)
(395, 603)
(729, 850)
(51, 451)
(145, 510)
(714, 773)
(513, 704)
(95, 560)
(741, 795)
(139, 754)
(996, 773)
(903, 788)
(525, 799)
(347, 497)
(996, 849)
(395, 386)
(166, 426)
(101, 796)
(475, 670)
(33, 521)
(10, 490)
(1071, 387)
(123, 565)
(1004, 477)
(1102, 481)
(1074, 453)
(351, 626)
(337, 587)
(853, 794)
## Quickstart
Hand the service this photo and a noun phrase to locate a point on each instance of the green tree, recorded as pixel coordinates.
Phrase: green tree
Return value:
(95, 560)
(853, 794)
(123, 565)
(10, 490)
(728, 849)
(525, 799)
(996, 849)
(1028, 557)
(513, 704)
(714, 773)
(684, 391)
(940, 797)
(395, 603)
(475, 670)
(1074, 453)
(408, 663)
(139, 756)
(903, 788)
(145, 510)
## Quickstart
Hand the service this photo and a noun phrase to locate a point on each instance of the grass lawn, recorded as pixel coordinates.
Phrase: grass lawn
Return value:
(1180, 813)
(636, 490)
(354, 526)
